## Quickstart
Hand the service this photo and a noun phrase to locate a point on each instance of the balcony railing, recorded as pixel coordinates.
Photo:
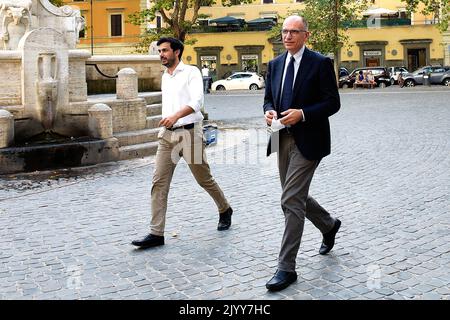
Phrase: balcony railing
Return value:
(231, 28)
(364, 23)
(376, 22)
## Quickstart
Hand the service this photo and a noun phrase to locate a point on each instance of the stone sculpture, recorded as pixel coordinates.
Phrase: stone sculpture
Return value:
(46, 118)
(47, 89)
(15, 17)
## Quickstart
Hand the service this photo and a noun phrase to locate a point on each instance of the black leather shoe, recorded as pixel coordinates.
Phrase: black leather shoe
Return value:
(149, 241)
(225, 220)
(329, 237)
(281, 280)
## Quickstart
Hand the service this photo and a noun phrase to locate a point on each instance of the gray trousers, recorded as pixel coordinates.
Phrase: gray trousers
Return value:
(172, 146)
(296, 173)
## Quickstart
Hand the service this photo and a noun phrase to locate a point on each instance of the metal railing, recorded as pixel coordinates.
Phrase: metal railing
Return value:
(100, 71)
(363, 23)
(378, 22)
(231, 28)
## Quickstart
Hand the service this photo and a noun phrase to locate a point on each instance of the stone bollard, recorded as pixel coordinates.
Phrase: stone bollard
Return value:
(100, 121)
(6, 129)
(127, 84)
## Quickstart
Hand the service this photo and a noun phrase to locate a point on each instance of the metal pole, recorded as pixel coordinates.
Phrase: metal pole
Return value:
(92, 30)
(336, 39)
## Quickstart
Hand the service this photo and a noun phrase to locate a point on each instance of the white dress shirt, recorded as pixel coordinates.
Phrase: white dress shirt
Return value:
(298, 58)
(182, 88)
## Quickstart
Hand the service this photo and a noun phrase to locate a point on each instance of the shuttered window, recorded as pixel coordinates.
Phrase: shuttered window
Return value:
(116, 25)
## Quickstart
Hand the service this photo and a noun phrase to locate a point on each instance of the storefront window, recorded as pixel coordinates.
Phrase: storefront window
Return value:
(211, 63)
(250, 62)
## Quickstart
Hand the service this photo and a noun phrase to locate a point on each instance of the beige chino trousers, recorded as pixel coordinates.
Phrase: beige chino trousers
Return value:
(189, 144)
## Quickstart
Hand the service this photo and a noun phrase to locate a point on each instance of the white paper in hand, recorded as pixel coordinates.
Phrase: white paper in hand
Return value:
(276, 125)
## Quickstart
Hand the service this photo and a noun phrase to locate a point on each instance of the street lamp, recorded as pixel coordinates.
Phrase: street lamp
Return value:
(92, 30)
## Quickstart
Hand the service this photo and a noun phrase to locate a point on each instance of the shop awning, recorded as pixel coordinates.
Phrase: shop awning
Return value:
(379, 11)
(227, 21)
(261, 21)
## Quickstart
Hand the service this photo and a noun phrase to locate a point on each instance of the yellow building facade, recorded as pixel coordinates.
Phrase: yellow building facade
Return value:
(107, 31)
(236, 49)
(386, 39)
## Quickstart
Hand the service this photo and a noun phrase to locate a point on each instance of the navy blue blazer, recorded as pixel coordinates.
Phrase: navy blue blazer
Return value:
(316, 92)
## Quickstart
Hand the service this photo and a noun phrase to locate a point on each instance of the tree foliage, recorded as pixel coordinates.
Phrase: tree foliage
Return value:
(325, 17)
(58, 3)
(325, 21)
(176, 14)
(439, 9)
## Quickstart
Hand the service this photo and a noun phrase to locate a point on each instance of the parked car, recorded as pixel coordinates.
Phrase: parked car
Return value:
(343, 72)
(229, 73)
(380, 74)
(437, 75)
(240, 81)
(395, 71)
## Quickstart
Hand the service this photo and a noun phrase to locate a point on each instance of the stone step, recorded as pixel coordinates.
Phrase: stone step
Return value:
(137, 137)
(154, 109)
(153, 121)
(151, 97)
(138, 150)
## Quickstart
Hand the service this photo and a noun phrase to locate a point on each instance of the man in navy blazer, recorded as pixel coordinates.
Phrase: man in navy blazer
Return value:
(301, 92)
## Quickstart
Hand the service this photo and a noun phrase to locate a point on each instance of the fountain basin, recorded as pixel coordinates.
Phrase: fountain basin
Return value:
(79, 152)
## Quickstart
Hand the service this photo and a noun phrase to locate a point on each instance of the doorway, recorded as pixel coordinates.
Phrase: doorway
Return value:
(416, 58)
(372, 62)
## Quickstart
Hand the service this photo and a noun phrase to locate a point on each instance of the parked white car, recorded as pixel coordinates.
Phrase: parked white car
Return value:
(240, 81)
(395, 71)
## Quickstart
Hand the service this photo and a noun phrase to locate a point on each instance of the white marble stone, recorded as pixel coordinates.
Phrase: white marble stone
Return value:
(44, 86)
(15, 21)
(6, 129)
(45, 75)
(17, 17)
(100, 121)
(11, 84)
(127, 84)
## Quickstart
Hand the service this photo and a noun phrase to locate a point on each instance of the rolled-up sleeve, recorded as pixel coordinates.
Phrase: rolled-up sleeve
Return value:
(195, 90)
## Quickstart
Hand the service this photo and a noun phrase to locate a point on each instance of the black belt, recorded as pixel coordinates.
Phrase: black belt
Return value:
(188, 126)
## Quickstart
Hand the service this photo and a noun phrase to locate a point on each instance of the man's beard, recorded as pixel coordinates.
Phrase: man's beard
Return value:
(169, 63)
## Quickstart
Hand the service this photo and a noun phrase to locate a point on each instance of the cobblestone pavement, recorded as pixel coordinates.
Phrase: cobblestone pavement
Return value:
(66, 234)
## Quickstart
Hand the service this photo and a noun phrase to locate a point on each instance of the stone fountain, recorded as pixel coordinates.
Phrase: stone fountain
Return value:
(46, 118)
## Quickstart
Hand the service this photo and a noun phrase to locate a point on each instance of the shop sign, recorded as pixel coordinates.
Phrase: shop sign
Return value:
(249, 56)
(372, 53)
(208, 58)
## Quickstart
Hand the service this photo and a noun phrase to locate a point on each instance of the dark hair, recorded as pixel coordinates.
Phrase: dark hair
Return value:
(175, 44)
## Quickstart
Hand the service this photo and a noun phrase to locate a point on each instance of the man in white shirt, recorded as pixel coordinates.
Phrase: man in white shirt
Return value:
(205, 71)
(181, 135)
(206, 78)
